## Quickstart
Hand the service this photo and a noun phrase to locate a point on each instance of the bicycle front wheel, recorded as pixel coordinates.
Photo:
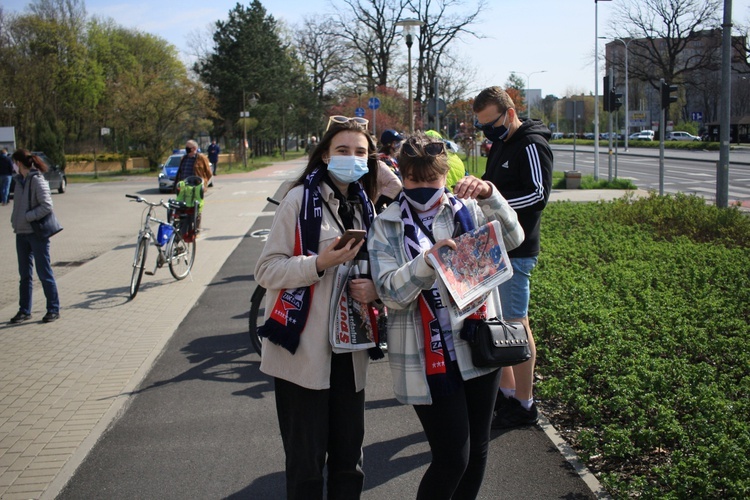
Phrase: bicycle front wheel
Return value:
(257, 313)
(181, 255)
(139, 265)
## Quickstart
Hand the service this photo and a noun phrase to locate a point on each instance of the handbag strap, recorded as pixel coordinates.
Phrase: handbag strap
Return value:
(30, 180)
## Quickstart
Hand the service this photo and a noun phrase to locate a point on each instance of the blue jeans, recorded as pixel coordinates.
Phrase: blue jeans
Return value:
(28, 247)
(514, 293)
(4, 188)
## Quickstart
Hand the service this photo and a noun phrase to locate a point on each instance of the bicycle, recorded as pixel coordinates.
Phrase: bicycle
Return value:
(175, 241)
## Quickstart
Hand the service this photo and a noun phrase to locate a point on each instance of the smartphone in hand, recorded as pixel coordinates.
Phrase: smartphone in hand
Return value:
(350, 234)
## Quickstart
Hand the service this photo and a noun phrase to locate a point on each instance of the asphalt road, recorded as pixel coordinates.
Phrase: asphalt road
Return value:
(203, 423)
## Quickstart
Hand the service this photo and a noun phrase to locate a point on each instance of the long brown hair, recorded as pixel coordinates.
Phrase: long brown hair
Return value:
(369, 181)
(28, 160)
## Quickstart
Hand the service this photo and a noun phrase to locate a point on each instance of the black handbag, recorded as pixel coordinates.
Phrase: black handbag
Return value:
(47, 226)
(496, 343)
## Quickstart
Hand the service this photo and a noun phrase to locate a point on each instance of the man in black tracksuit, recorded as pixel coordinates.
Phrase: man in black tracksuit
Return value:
(519, 164)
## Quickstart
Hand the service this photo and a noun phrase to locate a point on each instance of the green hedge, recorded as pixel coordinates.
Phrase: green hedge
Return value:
(99, 157)
(641, 311)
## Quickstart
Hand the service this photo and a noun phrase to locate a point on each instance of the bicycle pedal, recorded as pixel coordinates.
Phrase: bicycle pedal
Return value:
(150, 273)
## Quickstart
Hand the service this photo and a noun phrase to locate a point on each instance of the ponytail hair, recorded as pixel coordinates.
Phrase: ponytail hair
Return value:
(29, 160)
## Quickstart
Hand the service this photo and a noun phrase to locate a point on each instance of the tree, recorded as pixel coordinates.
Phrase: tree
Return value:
(665, 36)
(369, 29)
(443, 24)
(249, 58)
(150, 101)
(321, 52)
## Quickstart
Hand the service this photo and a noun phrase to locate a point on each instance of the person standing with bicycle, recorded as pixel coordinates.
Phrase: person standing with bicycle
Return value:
(193, 164)
(319, 394)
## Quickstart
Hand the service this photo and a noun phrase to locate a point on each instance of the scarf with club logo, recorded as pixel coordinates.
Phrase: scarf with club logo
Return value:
(435, 348)
(292, 306)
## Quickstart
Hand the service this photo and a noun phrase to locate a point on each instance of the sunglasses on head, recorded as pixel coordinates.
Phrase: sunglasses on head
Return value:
(415, 150)
(362, 122)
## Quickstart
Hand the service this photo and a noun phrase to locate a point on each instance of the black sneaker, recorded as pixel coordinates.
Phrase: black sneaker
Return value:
(515, 415)
(20, 317)
(501, 402)
(50, 317)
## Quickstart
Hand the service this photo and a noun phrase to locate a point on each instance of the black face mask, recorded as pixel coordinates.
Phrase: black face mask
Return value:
(188, 150)
(495, 134)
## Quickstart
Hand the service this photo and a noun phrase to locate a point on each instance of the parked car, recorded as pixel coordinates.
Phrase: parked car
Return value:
(643, 135)
(681, 136)
(484, 148)
(55, 176)
(557, 135)
(169, 172)
(589, 135)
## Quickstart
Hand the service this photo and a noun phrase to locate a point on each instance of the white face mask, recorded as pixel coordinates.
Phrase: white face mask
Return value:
(347, 169)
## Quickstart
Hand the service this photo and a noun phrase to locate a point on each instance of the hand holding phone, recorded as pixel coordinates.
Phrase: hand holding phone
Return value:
(350, 234)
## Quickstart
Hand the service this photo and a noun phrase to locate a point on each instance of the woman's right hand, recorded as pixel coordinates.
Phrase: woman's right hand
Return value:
(331, 257)
(448, 242)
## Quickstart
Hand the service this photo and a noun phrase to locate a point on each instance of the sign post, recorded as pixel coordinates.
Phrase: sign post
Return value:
(374, 103)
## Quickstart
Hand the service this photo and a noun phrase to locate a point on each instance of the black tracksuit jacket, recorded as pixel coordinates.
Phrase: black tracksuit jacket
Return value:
(521, 169)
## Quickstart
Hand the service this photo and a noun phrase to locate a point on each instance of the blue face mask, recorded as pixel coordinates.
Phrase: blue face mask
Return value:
(347, 169)
(423, 198)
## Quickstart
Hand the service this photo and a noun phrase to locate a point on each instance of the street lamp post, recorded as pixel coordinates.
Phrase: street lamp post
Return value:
(408, 25)
(528, 88)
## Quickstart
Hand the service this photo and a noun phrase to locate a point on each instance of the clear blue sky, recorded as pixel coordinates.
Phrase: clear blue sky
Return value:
(525, 36)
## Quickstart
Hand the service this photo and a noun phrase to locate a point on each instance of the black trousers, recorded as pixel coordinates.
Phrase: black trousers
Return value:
(457, 426)
(321, 428)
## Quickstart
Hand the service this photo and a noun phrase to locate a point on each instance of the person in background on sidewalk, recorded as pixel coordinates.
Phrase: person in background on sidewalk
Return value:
(430, 363)
(390, 141)
(213, 155)
(6, 174)
(520, 165)
(31, 248)
(320, 396)
(456, 165)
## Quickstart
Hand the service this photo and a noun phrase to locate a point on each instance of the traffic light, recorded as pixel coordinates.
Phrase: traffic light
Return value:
(605, 93)
(666, 94)
(615, 100)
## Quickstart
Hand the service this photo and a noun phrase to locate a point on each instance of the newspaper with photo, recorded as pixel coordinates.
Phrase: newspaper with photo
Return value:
(479, 264)
(352, 322)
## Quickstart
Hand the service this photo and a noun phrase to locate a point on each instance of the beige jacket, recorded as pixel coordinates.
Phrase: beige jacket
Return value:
(278, 268)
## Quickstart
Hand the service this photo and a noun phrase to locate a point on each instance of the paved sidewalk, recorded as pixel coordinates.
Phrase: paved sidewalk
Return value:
(62, 385)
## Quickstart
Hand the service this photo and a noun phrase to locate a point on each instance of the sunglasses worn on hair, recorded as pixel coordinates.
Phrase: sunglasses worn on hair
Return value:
(415, 150)
(362, 122)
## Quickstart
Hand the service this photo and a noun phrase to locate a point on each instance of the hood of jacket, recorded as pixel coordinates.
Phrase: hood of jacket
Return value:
(531, 127)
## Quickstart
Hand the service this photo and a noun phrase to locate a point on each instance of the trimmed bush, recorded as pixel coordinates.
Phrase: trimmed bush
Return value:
(641, 311)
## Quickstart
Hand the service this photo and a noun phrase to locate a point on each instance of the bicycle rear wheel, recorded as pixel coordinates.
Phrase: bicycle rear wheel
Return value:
(181, 255)
(257, 312)
(139, 265)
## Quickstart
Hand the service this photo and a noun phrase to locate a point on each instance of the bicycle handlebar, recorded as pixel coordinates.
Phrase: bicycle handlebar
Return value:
(271, 200)
(161, 203)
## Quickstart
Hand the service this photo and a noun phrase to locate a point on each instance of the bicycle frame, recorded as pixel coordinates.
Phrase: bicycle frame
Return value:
(175, 252)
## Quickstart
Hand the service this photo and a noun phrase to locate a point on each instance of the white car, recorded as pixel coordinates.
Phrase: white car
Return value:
(643, 135)
(681, 136)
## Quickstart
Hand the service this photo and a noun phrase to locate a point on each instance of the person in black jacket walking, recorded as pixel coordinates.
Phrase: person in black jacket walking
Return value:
(6, 174)
(519, 164)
